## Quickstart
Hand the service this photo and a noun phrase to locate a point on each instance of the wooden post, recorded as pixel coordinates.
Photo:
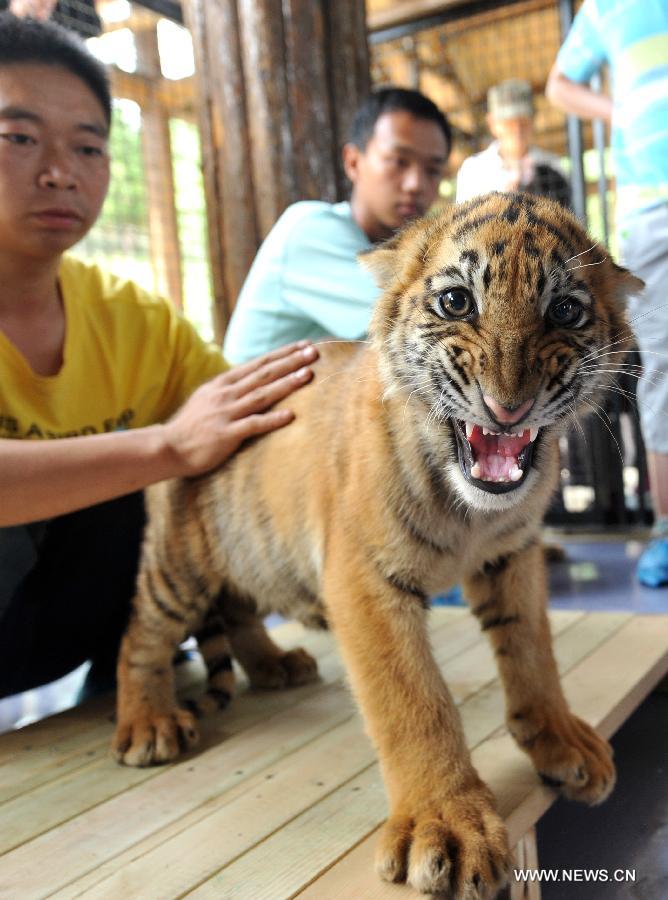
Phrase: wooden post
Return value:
(278, 83)
(526, 857)
(157, 151)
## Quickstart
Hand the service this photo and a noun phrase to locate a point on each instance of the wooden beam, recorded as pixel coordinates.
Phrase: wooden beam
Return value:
(177, 98)
(313, 138)
(271, 139)
(349, 70)
(228, 182)
(157, 152)
(409, 11)
(412, 10)
(277, 82)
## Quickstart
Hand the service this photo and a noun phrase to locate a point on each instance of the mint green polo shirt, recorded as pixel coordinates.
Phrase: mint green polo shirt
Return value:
(305, 282)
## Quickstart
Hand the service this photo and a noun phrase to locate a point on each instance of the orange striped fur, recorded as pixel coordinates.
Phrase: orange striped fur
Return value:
(366, 505)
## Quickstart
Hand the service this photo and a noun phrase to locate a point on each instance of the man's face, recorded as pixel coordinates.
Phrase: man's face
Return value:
(396, 177)
(54, 164)
(513, 135)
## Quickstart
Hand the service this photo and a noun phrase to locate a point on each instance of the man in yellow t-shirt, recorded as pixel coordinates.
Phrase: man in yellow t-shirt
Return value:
(104, 389)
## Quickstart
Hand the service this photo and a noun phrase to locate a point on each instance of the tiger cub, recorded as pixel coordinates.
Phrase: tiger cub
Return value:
(424, 459)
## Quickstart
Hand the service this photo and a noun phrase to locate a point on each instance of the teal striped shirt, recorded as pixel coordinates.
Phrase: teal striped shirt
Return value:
(631, 37)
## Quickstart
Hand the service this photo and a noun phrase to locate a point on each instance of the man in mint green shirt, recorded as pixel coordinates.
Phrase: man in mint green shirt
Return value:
(306, 281)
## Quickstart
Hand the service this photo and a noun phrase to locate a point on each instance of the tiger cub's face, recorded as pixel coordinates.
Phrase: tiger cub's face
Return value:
(493, 317)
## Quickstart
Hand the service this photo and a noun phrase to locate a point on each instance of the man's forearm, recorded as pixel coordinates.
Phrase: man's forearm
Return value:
(41, 479)
(577, 99)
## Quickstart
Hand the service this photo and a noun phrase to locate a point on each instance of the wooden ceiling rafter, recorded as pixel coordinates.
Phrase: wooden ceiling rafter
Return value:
(410, 11)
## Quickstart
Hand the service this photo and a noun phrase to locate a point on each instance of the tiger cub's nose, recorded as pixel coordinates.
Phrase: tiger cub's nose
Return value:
(507, 415)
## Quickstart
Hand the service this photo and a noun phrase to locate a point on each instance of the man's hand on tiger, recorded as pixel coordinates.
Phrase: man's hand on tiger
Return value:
(235, 406)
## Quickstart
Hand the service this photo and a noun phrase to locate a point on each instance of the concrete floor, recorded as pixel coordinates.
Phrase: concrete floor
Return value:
(630, 830)
(600, 575)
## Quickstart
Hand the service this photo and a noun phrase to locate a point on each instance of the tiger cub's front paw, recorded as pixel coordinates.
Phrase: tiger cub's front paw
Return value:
(568, 755)
(456, 848)
(289, 669)
(151, 738)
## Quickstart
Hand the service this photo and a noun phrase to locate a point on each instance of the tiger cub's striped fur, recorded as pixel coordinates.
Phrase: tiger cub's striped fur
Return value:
(424, 459)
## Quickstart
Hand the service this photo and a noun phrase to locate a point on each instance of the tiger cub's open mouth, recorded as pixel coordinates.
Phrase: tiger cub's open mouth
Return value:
(494, 461)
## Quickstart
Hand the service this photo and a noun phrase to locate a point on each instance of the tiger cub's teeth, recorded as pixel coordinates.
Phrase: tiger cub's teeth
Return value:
(533, 434)
(475, 470)
(469, 429)
(515, 473)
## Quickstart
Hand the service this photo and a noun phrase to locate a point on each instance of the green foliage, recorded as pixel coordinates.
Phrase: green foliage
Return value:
(120, 240)
(126, 202)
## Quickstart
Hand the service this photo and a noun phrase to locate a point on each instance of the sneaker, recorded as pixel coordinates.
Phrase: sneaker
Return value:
(453, 597)
(652, 570)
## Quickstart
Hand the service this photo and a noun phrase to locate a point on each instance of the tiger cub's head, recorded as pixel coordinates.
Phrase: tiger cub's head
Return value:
(495, 315)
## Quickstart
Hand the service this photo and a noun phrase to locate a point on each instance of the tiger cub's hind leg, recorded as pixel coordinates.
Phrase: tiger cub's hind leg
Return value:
(266, 664)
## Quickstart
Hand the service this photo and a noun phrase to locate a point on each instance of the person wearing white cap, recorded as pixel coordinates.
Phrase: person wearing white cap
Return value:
(511, 163)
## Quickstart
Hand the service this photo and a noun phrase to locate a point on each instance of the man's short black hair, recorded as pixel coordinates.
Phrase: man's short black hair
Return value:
(395, 99)
(45, 43)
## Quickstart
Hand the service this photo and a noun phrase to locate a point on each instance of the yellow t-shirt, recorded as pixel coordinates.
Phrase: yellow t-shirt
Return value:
(129, 360)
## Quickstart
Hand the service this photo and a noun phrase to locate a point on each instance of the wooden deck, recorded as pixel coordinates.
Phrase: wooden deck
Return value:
(284, 795)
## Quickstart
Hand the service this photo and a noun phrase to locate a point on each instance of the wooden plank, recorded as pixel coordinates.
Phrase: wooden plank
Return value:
(94, 787)
(33, 769)
(169, 877)
(200, 858)
(166, 796)
(43, 734)
(602, 691)
(53, 747)
(94, 782)
(323, 833)
(571, 643)
(526, 857)
(258, 807)
(61, 849)
(599, 688)
(460, 633)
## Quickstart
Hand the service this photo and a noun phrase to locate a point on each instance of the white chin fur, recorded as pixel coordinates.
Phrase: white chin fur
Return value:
(483, 500)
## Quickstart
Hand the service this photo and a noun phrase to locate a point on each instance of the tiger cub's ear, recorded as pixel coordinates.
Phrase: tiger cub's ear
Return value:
(626, 283)
(400, 259)
(383, 261)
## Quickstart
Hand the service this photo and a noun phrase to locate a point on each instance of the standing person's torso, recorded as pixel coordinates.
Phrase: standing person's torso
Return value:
(632, 38)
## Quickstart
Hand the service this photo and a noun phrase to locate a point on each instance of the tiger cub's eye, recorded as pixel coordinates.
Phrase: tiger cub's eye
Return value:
(565, 314)
(456, 303)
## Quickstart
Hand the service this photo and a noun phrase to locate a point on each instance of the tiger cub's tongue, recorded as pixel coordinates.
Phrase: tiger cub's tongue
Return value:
(495, 455)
